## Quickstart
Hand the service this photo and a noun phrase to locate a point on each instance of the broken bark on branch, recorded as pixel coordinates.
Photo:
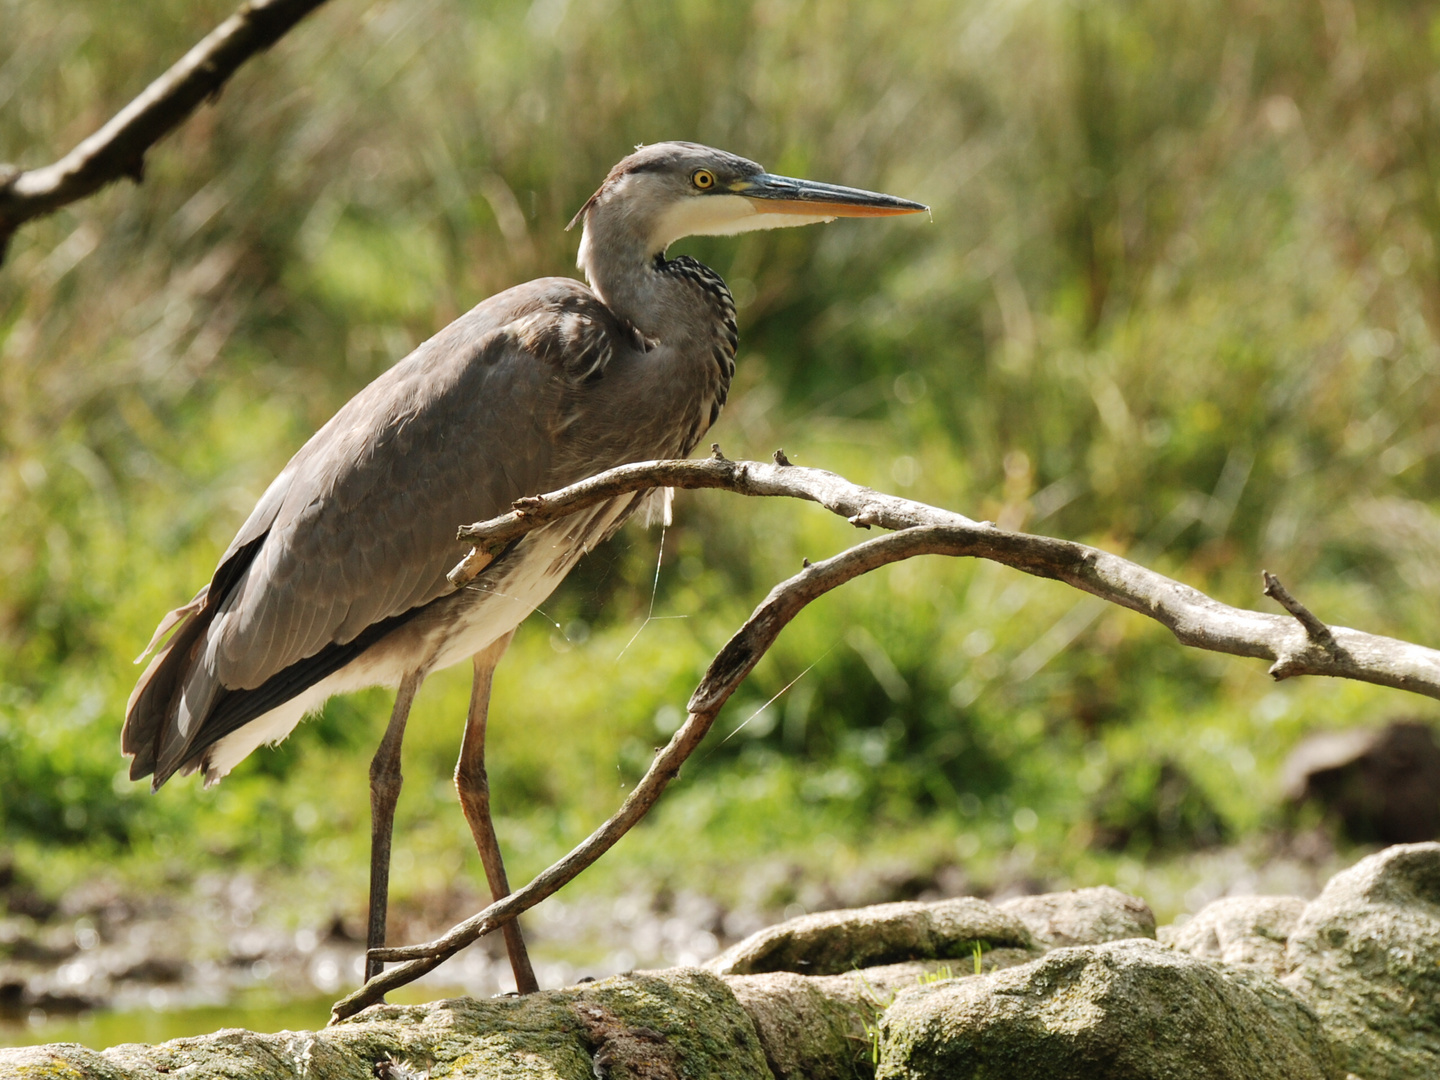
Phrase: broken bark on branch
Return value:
(1302, 645)
(118, 149)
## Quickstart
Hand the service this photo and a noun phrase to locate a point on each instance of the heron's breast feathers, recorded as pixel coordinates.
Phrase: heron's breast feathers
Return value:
(723, 336)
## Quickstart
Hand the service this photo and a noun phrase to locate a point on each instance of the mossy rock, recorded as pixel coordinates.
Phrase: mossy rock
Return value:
(822, 1027)
(1243, 931)
(1366, 955)
(834, 942)
(1083, 916)
(681, 1024)
(1128, 1010)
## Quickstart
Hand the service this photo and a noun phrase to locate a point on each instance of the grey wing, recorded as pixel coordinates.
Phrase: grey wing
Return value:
(360, 526)
(367, 527)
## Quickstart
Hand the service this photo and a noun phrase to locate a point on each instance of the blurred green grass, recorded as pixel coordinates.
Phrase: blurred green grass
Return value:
(1178, 299)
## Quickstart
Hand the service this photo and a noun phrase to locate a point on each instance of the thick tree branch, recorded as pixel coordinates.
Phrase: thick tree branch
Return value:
(1296, 646)
(118, 149)
(1299, 646)
(861, 506)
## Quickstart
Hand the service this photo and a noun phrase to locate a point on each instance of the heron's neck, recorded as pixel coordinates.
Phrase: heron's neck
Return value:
(680, 303)
(631, 279)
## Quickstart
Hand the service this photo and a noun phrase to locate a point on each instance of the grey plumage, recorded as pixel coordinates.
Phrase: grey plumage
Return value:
(337, 579)
(518, 396)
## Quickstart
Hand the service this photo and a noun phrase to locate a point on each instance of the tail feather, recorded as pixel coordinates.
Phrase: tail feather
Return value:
(152, 737)
(151, 713)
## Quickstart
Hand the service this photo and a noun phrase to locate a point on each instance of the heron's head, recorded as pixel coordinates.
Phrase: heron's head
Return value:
(670, 190)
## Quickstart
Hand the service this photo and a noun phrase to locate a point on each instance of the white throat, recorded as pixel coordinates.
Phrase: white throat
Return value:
(722, 215)
(703, 215)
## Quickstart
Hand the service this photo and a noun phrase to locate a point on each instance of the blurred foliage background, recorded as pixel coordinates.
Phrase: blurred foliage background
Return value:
(1179, 298)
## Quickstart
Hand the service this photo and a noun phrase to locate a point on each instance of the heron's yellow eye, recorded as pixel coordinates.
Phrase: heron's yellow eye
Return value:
(703, 179)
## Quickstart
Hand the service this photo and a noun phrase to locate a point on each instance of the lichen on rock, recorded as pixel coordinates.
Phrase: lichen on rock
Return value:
(1083, 916)
(682, 1023)
(1127, 1010)
(1366, 955)
(1245, 931)
(832, 942)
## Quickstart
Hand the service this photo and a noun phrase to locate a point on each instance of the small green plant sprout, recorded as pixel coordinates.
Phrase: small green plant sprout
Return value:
(976, 950)
(872, 1032)
(880, 1004)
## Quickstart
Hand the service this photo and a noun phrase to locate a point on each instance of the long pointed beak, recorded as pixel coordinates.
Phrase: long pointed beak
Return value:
(785, 195)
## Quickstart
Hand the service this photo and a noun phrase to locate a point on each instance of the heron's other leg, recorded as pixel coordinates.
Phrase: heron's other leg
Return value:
(385, 782)
(474, 789)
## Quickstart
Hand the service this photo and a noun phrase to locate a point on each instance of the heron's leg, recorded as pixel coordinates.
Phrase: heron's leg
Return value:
(474, 789)
(385, 781)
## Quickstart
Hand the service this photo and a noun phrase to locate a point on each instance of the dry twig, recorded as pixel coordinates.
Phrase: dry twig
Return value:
(1296, 646)
(1318, 633)
(118, 149)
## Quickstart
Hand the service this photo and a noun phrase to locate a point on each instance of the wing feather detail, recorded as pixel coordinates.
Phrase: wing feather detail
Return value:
(359, 528)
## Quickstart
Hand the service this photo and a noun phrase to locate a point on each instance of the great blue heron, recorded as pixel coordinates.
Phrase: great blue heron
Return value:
(337, 579)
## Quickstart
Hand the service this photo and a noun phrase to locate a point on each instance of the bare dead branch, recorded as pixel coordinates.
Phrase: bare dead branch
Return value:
(1293, 646)
(862, 506)
(1193, 617)
(118, 149)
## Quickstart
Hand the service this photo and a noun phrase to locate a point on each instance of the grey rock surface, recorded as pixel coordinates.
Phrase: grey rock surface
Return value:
(1083, 916)
(1246, 931)
(832, 942)
(1359, 998)
(812, 1028)
(1128, 1010)
(1366, 956)
(658, 1025)
(821, 1027)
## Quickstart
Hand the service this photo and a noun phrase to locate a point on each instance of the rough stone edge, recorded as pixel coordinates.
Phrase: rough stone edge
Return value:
(933, 929)
(412, 1035)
